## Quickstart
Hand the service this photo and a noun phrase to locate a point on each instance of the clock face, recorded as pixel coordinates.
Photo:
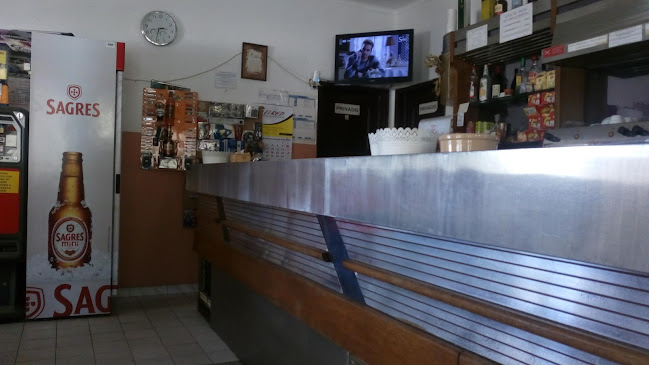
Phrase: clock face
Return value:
(159, 28)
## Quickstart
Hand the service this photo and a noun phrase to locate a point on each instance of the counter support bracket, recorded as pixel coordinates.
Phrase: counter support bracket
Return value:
(338, 253)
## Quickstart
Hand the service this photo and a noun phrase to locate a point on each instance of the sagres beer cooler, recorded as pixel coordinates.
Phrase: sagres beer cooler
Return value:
(73, 197)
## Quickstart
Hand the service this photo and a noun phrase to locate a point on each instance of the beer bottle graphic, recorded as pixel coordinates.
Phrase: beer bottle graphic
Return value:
(70, 220)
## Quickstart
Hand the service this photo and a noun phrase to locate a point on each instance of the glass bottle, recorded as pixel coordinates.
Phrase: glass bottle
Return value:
(485, 85)
(169, 144)
(533, 72)
(473, 87)
(70, 220)
(516, 81)
(497, 82)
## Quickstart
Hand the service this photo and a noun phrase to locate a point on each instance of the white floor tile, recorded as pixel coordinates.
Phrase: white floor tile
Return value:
(158, 361)
(37, 362)
(155, 329)
(73, 331)
(8, 358)
(37, 344)
(74, 351)
(36, 354)
(77, 360)
(40, 324)
(140, 333)
(38, 333)
(108, 337)
(175, 336)
(73, 341)
(222, 356)
(113, 361)
(118, 348)
(72, 323)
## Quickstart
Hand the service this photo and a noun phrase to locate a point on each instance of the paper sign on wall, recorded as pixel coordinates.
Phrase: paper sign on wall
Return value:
(625, 36)
(347, 109)
(428, 108)
(516, 23)
(588, 43)
(225, 80)
(476, 38)
(304, 112)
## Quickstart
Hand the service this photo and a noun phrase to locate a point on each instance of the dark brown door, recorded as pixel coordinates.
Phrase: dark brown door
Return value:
(346, 114)
(408, 102)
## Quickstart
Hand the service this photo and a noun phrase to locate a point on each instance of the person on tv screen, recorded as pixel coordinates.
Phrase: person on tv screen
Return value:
(363, 64)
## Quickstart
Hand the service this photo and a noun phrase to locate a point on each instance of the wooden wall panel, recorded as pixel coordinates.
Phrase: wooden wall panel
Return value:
(154, 247)
(369, 334)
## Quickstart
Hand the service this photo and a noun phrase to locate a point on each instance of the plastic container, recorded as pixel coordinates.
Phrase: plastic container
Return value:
(393, 141)
(210, 157)
(465, 142)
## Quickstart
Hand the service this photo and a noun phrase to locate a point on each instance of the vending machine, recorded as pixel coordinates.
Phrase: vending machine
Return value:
(73, 185)
(13, 211)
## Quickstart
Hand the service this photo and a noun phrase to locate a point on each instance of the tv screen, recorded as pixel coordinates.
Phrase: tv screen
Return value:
(377, 57)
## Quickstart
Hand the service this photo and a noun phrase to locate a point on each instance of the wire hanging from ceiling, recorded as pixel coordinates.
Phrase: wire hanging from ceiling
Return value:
(287, 70)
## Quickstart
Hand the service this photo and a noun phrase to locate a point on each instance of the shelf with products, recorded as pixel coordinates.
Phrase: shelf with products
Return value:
(514, 100)
(607, 36)
(494, 51)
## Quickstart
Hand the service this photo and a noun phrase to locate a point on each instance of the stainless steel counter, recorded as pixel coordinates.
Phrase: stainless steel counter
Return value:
(584, 203)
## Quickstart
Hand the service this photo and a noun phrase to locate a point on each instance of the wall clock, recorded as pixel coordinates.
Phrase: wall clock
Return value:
(158, 28)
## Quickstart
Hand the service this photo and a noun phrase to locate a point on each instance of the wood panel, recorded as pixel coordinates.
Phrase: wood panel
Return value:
(152, 238)
(369, 334)
(290, 245)
(570, 336)
(461, 80)
(570, 88)
(468, 358)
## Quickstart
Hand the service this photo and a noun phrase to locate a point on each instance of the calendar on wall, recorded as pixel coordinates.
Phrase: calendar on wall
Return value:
(277, 149)
(277, 133)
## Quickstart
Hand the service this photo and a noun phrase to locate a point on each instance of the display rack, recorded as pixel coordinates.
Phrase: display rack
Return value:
(495, 51)
(599, 22)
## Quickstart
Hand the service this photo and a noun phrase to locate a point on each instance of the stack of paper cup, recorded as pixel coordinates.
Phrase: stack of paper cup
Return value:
(451, 20)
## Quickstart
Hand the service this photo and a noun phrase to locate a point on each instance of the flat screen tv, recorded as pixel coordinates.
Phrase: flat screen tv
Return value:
(374, 58)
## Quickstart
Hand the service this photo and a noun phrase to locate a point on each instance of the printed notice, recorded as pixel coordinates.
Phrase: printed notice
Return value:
(588, 43)
(460, 114)
(516, 23)
(273, 97)
(428, 108)
(225, 80)
(9, 182)
(476, 38)
(625, 36)
(347, 109)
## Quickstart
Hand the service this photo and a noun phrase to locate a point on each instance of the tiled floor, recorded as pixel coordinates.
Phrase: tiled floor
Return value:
(162, 329)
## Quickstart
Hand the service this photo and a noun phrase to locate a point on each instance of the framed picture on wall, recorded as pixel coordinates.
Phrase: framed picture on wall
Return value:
(254, 61)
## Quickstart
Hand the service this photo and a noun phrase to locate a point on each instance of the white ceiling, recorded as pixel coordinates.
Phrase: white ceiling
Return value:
(386, 4)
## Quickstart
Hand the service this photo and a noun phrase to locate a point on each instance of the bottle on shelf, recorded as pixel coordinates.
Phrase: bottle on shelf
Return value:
(533, 73)
(516, 82)
(487, 9)
(525, 86)
(500, 7)
(498, 83)
(485, 85)
(473, 87)
(169, 150)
